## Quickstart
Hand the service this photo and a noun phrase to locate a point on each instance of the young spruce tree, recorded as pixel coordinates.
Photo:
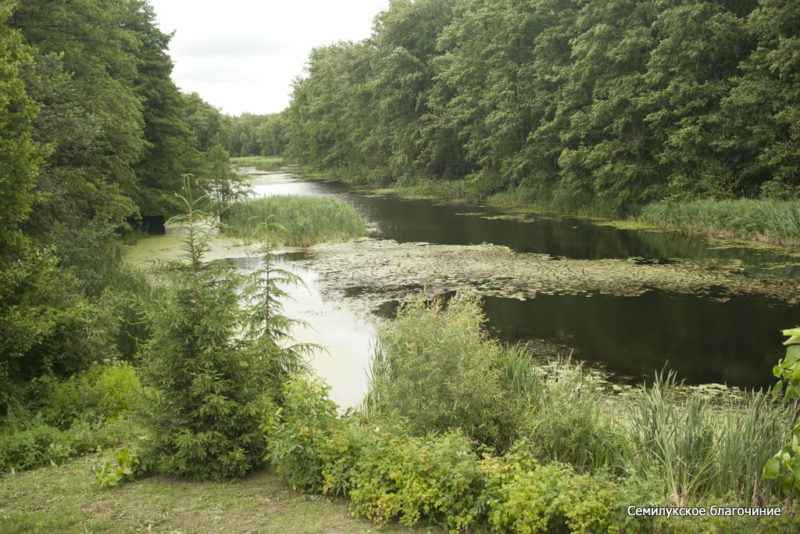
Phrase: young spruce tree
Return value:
(213, 376)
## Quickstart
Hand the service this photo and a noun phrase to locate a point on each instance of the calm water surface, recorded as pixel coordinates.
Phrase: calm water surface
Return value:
(735, 342)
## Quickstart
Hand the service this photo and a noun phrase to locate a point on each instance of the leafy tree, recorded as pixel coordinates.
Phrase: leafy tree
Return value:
(244, 136)
(90, 120)
(169, 148)
(23, 320)
(271, 134)
(402, 75)
(46, 325)
(322, 106)
(607, 145)
(208, 124)
(763, 106)
(700, 45)
(584, 104)
(17, 149)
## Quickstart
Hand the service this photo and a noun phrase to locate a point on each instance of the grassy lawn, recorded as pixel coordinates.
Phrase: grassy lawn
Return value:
(61, 499)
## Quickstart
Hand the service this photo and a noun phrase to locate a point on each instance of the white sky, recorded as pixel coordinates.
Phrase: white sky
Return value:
(242, 55)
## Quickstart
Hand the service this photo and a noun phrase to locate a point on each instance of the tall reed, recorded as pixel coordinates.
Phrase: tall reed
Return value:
(695, 448)
(261, 163)
(301, 221)
(775, 220)
(573, 420)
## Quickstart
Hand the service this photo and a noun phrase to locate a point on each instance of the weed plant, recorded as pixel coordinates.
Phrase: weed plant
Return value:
(572, 421)
(304, 221)
(261, 163)
(773, 220)
(41, 444)
(64, 418)
(695, 449)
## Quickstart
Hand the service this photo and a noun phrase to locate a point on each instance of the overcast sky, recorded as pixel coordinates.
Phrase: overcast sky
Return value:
(242, 55)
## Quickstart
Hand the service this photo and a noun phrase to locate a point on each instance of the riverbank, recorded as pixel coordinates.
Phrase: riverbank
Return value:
(775, 222)
(261, 163)
(756, 223)
(559, 284)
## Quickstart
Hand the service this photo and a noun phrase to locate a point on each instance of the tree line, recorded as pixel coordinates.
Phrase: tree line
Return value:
(93, 134)
(611, 104)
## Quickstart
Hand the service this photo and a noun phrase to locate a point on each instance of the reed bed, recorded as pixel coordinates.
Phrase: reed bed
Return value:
(776, 221)
(294, 220)
(261, 163)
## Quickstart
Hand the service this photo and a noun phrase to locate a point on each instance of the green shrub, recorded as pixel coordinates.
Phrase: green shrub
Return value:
(435, 366)
(103, 393)
(523, 496)
(42, 444)
(343, 450)
(785, 464)
(408, 478)
(65, 418)
(299, 432)
(302, 221)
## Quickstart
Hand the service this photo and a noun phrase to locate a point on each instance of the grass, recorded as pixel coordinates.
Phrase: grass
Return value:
(437, 190)
(61, 499)
(301, 221)
(261, 163)
(693, 447)
(775, 221)
(690, 445)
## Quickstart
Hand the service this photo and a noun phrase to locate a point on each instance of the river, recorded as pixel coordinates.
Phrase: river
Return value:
(628, 301)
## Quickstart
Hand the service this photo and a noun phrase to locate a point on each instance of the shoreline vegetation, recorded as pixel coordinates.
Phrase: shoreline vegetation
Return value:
(489, 441)
(260, 163)
(294, 220)
(168, 402)
(529, 448)
(774, 223)
(768, 222)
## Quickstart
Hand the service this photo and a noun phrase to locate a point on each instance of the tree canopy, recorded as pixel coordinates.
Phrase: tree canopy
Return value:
(583, 103)
(93, 134)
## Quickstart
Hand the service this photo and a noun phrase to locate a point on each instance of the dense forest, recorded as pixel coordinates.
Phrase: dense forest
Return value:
(94, 135)
(188, 369)
(571, 103)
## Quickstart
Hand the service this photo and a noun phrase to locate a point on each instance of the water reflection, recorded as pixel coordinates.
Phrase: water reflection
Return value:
(703, 341)
(735, 342)
(347, 339)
